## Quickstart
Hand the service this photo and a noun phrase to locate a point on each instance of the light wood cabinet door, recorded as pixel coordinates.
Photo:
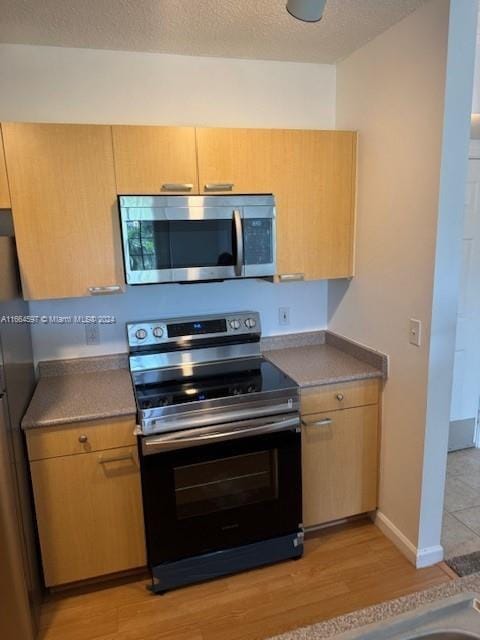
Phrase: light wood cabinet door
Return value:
(4, 191)
(89, 514)
(151, 160)
(315, 190)
(311, 174)
(339, 464)
(62, 185)
(236, 160)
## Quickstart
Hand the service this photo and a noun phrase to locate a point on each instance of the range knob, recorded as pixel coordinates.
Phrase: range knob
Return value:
(250, 323)
(140, 334)
(235, 324)
(158, 332)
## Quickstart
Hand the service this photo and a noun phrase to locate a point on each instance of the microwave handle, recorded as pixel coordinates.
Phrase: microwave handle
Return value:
(237, 221)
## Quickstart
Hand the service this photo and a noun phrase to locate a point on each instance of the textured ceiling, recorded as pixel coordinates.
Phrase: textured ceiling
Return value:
(259, 29)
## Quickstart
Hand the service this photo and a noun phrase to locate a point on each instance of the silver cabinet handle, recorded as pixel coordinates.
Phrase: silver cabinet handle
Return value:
(237, 220)
(291, 277)
(340, 396)
(318, 423)
(218, 186)
(83, 439)
(101, 291)
(177, 186)
(119, 458)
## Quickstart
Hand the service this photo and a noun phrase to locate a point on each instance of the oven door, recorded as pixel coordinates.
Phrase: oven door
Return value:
(220, 487)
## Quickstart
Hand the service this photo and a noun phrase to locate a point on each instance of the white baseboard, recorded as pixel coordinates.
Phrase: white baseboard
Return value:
(429, 556)
(418, 557)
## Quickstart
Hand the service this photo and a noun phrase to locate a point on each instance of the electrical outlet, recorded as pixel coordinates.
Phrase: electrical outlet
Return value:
(415, 332)
(92, 334)
(284, 315)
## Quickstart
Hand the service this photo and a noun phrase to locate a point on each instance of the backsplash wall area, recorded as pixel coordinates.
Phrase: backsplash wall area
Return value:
(307, 303)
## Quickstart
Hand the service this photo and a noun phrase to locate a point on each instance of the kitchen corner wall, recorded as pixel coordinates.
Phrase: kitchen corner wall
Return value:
(399, 91)
(50, 84)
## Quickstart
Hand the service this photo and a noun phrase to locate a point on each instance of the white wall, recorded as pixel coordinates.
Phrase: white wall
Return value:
(77, 85)
(393, 91)
(476, 83)
(54, 84)
(307, 302)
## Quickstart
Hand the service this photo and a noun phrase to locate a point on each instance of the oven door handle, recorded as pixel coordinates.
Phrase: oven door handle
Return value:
(156, 444)
(237, 221)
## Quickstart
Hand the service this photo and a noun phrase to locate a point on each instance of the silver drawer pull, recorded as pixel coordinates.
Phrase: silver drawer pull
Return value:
(319, 423)
(177, 186)
(218, 186)
(340, 396)
(120, 458)
(291, 277)
(101, 291)
(83, 438)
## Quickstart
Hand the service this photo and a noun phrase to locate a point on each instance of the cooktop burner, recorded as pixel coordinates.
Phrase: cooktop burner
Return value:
(183, 385)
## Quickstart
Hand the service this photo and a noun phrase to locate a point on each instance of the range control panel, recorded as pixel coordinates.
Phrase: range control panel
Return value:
(146, 334)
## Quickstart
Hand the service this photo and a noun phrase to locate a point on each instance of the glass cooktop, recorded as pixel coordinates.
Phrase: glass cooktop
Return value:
(196, 383)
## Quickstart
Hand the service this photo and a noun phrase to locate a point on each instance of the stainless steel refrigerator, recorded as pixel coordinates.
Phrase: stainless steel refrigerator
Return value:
(20, 585)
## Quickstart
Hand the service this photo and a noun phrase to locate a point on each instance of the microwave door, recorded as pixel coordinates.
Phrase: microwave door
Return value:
(209, 247)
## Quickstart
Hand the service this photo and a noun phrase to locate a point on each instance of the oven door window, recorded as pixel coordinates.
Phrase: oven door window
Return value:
(228, 483)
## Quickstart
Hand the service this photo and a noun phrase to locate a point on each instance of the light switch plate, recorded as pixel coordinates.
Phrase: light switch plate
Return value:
(415, 332)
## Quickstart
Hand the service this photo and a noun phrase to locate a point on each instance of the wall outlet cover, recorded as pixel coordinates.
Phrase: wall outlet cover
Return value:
(284, 315)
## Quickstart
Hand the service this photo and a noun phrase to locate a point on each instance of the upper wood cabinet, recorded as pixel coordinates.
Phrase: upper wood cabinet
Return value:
(311, 174)
(152, 160)
(62, 185)
(4, 191)
(239, 160)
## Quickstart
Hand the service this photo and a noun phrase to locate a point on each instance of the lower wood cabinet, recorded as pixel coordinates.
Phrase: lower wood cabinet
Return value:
(89, 513)
(339, 462)
(4, 190)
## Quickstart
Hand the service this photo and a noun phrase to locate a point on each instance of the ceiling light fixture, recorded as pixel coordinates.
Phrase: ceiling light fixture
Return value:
(306, 10)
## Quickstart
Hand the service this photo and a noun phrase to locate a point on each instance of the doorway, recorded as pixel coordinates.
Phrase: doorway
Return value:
(461, 525)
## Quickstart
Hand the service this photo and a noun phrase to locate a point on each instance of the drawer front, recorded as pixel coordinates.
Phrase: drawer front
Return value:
(81, 437)
(339, 464)
(339, 396)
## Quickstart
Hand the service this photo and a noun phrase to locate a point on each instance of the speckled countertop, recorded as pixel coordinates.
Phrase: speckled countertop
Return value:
(320, 364)
(75, 397)
(324, 358)
(380, 612)
(100, 387)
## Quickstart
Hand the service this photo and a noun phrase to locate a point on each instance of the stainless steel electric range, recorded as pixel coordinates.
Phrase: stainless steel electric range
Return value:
(219, 443)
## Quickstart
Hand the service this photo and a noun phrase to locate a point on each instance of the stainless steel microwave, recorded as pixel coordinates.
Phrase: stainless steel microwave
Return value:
(195, 238)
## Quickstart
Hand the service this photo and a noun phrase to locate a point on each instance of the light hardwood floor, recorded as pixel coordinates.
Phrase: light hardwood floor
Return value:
(344, 569)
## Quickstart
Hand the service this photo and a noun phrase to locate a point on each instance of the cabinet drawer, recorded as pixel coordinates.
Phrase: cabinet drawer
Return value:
(339, 464)
(89, 514)
(339, 396)
(81, 437)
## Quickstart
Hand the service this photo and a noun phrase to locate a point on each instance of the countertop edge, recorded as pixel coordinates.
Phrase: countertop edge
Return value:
(38, 424)
(362, 620)
(372, 375)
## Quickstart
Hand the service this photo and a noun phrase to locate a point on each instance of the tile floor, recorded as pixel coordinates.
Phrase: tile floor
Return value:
(461, 523)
